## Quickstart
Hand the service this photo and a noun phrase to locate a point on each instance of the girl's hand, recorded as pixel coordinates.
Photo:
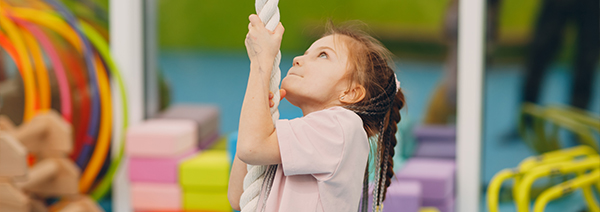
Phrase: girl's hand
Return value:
(262, 45)
(281, 94)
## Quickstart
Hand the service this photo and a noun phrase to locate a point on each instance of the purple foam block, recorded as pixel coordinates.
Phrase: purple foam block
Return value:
(435, 175)
(206, 116)
(435, 132)
(402, 196)
(444, 205)
(209, 141)
(158, 170)
(436, 149)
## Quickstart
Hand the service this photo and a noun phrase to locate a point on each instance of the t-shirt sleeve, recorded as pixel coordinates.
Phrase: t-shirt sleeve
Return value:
(313, 144)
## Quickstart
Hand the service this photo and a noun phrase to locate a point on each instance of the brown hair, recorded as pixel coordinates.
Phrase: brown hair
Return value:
(370, 65)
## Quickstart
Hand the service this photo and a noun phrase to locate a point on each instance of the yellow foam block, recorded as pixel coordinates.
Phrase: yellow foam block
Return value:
(220, 144)
(206, 201)
(207, 171)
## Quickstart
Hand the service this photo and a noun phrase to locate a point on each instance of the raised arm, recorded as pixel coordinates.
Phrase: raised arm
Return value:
(257, 139)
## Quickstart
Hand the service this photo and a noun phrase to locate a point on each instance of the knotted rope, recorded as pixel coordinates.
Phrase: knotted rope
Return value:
(268, 12)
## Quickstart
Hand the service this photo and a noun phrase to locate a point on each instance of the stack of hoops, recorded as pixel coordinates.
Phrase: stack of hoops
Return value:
(44, 38)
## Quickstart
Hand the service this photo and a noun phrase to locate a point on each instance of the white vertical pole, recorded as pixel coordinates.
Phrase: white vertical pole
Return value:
(469, 113)
(151, 85)
(126, 42)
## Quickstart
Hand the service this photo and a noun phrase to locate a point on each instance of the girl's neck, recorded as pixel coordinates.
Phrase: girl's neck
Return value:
(307, 108)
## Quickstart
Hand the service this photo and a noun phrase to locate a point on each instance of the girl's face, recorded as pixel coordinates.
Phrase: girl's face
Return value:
(318, 78)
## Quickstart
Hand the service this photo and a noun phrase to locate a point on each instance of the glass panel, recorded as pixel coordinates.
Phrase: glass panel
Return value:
(542, 93)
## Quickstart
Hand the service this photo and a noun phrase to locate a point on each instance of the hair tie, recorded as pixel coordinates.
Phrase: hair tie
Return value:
(397, 82)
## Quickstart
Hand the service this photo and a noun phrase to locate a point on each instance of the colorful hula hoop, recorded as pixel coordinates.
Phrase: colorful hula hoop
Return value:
(102, 47)
(93, 128)
(41, 73)
(79, 76)
(59, 70)
(10, 49)
(77, 34)
(57, 25)
(26, 69)
(103, 145)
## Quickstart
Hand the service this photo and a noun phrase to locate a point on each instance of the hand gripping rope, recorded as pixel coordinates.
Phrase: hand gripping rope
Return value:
(268, 12)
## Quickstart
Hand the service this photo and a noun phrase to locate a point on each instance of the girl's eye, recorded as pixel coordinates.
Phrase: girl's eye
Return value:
(323, 55)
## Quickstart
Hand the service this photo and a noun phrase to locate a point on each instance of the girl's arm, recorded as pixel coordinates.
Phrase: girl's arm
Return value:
(239, 170)
(257, 138)
(236, 183)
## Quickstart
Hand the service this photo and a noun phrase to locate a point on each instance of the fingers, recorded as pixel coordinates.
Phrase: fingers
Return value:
(282, 94)
(279, 29)
(255, 21)
(271, 103)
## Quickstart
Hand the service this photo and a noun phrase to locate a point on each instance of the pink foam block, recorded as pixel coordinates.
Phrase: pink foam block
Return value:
(156, 196)
(160, 170)
(161, 138)
(205, 116)
(435, 175)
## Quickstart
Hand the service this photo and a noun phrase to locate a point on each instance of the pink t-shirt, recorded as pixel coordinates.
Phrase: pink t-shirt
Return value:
(323, 157)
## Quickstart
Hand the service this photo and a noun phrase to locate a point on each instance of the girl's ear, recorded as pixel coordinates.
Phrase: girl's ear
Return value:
(354, 95)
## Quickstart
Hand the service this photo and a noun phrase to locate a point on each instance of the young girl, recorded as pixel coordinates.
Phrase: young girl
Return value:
(348, 94)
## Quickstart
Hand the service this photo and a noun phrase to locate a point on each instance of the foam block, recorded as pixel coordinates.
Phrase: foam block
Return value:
(156, 196)
(208, 171)
(160, 170)
(206, 201)
(436, 149)
(446, 205)
(161, 138)
(435, 175)
(205, 116)
(402, 196)
(220, 143)
(435, 132)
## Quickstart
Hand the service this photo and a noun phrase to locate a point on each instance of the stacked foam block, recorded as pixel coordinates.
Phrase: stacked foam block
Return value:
(435, 141)
(436, 177)
(427, 179)
(402, 196)
(204, 180)
(156, 149)
(433, 166)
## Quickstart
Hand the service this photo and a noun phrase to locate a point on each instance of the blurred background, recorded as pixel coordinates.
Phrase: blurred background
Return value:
(543, 52)
(203, 59)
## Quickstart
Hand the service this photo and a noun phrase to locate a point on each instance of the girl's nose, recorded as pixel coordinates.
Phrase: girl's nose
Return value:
(296, 61)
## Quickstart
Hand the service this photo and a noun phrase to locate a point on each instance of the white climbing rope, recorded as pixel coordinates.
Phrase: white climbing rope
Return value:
(268, 12)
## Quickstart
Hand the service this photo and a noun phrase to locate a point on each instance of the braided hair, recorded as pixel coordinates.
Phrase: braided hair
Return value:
(370, 65)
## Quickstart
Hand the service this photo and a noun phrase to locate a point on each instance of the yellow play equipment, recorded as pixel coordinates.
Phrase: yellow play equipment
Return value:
(539, 128)
(582, 160)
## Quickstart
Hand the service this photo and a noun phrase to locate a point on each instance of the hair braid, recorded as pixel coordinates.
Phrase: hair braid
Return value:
(371, 66)
(389, 138)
